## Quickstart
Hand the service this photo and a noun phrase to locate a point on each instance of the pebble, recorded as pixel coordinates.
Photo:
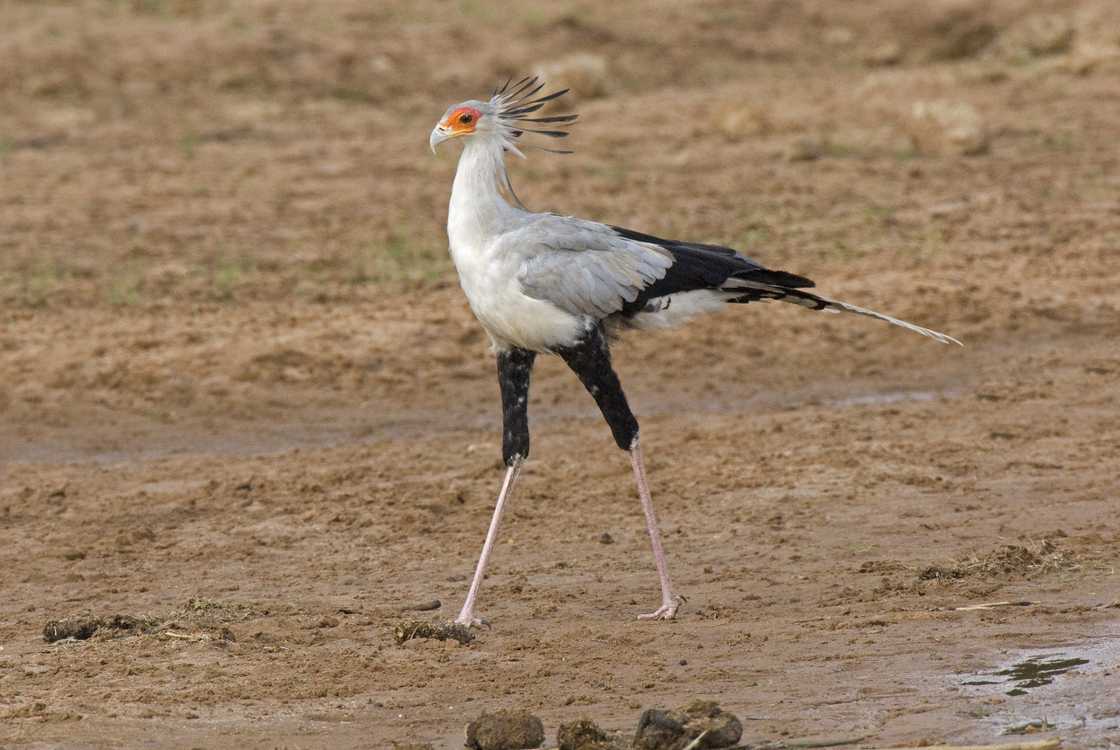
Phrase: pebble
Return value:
(947, 127)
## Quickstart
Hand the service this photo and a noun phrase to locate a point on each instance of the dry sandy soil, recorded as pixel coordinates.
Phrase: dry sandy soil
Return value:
(241, 394)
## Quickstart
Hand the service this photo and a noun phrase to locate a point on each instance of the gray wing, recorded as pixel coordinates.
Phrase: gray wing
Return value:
(584, 267)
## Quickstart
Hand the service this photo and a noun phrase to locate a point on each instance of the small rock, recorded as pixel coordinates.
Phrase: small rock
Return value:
(505, 730)
(888, 53)
(805, 149)
(948, 209)
(328, 622)
(659, 729)
(838, 36)
(606, 538)
(1040, 35)
(585, 74)
(736, 120)
(585, 734)
(947, 127)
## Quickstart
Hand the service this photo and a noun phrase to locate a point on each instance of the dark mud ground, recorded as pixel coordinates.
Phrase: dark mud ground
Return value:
(242, 397)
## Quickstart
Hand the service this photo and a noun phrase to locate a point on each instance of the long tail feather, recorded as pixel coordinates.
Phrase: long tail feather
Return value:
(803, 298)
(857, 310)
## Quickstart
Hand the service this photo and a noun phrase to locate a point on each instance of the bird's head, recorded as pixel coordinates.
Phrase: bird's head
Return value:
(461, 120)
(504, 118)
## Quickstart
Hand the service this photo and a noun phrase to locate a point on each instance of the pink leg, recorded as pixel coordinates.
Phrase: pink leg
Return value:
(466, 615)
(670, 602)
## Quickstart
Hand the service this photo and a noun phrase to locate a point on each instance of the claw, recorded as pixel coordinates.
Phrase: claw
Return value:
(667, 611)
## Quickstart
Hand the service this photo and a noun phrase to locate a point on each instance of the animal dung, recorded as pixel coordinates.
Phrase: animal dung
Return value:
(441, 631)
(505, 730)
(676, 729)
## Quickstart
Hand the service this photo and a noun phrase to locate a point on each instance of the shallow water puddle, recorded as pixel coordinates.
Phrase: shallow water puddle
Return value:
(1032, 672)
(1038, 671)
(1069, 687)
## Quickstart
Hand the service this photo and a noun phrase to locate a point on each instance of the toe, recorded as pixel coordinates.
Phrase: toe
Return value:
(667, 611)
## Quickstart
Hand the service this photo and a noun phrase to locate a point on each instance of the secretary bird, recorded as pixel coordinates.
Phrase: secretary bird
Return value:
(540, 283)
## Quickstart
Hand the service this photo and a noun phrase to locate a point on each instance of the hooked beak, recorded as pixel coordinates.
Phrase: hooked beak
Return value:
(438, 136)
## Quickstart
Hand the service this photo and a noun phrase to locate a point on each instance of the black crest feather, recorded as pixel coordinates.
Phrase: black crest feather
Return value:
(516, 101)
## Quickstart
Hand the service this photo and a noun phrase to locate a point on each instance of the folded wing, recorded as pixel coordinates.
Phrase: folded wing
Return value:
(586, 268)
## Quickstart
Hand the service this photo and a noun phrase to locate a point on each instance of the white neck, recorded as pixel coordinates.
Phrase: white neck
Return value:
(478, 208)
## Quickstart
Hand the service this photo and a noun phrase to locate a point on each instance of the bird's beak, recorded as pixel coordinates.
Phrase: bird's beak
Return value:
(438, 136)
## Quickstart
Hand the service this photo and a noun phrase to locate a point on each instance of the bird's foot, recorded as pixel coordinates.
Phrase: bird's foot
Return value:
(470, 621)
(668, 609)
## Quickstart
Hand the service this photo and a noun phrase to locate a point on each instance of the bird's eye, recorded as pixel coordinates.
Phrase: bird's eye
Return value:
(466, 118)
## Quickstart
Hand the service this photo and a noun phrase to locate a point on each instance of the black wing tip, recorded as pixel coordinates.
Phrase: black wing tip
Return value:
(753, 271)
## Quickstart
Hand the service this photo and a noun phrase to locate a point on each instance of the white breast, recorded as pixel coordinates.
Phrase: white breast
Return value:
(489, 279)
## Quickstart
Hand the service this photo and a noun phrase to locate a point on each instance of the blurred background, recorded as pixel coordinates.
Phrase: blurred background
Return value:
(235, 363)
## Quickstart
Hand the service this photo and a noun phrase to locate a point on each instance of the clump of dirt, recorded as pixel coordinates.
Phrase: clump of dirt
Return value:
(197, 617)
(212, 613)
(945, 30)
(1012, 559)
(505, 730)
(440, 631)
(206, 620)
(880, 566)
(702, 721)
(584, 734)
(83, 627)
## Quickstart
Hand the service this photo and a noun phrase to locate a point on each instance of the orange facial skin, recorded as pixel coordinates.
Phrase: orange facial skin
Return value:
(462, 121)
